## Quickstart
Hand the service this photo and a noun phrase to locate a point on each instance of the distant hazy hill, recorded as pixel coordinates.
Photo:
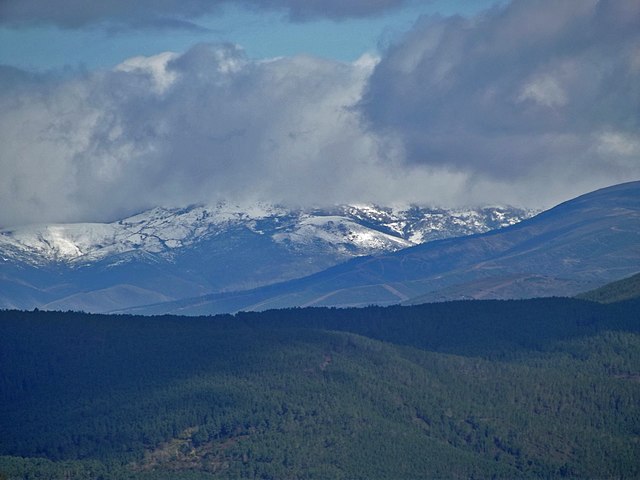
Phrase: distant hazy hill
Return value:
(167, 254)
(578, 245)
(625, 289)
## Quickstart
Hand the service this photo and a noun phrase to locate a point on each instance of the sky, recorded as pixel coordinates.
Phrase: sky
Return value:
(108, 108)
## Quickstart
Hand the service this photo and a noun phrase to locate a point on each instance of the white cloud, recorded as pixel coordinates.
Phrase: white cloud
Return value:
(621, 148)
(171, 129)
(460, 111)
(155, 66)
(544, 90)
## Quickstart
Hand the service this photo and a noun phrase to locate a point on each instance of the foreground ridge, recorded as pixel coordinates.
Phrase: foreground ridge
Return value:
(484, 389)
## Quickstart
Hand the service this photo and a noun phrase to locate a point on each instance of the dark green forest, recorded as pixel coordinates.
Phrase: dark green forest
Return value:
(625, 289)
(544, 388)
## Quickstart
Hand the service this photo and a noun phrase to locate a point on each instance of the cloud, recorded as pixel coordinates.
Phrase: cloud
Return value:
(203, 126)
(534, 99)
(173, 13)
(529, 104)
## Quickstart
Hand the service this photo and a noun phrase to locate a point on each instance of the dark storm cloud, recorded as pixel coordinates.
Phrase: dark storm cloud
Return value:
(535, 93)
(335, 9)
(163, 13)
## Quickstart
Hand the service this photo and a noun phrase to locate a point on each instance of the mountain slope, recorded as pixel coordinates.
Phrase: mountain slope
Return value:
(544, 388)
(578, 245)
(167, 254)
(625, 289)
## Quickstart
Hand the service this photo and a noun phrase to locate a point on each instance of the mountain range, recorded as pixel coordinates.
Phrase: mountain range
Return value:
(576, 246)
(166, 254)
(529, 388)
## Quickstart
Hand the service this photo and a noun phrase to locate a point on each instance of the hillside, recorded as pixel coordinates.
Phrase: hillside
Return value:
(165, 254)
(520, 389)
(625, 289)
(577, 246)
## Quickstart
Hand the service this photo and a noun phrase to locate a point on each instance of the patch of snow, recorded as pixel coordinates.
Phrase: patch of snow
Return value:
(351, 229)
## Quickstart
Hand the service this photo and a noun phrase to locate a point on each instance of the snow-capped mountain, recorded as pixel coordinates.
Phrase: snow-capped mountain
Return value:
(350, 230)
(579, 245)
(169, 253)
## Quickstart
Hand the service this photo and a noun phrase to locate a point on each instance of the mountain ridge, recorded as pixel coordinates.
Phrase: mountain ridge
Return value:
(161, 229)
(173, 253)
(573, 247)
(618, 291)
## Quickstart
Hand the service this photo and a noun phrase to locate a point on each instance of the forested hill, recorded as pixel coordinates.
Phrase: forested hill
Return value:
(625, 289)
(543, 388)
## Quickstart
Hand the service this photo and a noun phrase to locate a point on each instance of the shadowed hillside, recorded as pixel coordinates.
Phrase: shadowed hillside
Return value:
(626, 289)
(542, 388)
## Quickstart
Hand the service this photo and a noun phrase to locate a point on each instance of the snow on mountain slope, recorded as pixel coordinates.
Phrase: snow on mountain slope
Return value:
(576, 246)
(173, 253)
(346, 230)
(342, 234)
(420, 224)
(38, 244)
(157, 231)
